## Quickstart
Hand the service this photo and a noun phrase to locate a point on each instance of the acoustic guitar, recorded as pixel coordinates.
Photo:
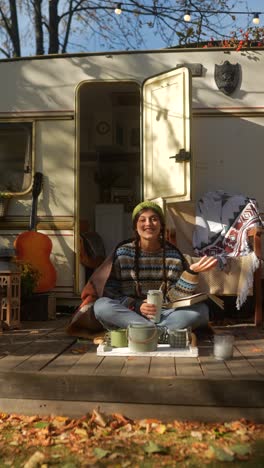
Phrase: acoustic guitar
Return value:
(34, 247)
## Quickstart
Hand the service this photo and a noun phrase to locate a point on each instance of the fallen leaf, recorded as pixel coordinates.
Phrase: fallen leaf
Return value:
(152, 447)
(241, 449)
(32, 419)
(160, 428)
(100, 453)
(209, 453)
(115, 455)
(120, 418)
(81, 432)
(35, 459)
(198, 435)
(62, 419)
(198, 447)
(126, 463)
(125, 429)
(41, 424)
(99, 340)
(144, 422)
(81, 350)
(222, 454)
(98, 418)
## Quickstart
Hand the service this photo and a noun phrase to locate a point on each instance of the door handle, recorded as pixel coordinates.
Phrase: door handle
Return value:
(182, 156)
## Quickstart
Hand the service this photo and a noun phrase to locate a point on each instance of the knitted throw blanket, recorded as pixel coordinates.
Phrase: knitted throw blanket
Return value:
(235, 278)
(222, 222)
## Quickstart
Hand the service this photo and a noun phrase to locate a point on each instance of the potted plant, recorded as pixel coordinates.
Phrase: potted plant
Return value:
(34, 306)
(29, 280)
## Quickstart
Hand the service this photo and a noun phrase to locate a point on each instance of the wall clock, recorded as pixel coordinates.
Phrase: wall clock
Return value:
(102, 127)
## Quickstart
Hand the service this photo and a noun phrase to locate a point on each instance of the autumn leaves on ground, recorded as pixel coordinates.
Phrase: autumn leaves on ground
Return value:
(99, 440)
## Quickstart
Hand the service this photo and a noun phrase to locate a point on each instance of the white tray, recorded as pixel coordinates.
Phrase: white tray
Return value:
(164, 350)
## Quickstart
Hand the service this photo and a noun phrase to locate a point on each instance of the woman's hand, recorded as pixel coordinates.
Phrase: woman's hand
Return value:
(204, 264)
(148, 310)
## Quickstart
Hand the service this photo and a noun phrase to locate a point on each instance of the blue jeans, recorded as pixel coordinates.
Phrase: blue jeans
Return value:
(114, 315)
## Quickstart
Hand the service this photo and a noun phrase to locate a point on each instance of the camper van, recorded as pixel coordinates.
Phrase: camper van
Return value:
(107, 130)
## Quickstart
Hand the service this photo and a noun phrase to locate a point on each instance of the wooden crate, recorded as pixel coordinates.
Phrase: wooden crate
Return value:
(39, 307)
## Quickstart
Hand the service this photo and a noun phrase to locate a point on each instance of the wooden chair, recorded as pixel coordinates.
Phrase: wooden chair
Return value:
(254, 236)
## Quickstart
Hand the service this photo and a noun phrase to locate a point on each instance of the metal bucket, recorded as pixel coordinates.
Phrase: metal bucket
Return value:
(142, 338)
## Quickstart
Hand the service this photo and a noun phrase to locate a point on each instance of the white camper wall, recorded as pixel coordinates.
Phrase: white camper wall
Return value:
(228, 155)
(226, 130)
(56, 79)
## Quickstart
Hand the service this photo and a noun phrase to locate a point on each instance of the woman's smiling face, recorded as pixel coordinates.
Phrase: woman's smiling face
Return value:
(148, 225)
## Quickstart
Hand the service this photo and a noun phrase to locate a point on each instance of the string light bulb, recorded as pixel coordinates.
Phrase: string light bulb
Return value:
(118, 9)
(187, 16)
(256, 18)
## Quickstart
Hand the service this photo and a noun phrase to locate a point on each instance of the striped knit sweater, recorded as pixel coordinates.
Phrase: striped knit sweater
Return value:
(122, 281)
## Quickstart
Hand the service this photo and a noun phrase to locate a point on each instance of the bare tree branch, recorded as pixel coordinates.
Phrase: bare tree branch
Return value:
(60, 24)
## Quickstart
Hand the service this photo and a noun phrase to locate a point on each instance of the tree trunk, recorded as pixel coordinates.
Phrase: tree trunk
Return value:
(14, 32)
(68, 28)
(53, 27)
(38, 27)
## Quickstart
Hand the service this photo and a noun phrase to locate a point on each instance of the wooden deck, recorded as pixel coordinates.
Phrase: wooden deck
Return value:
(42, 370)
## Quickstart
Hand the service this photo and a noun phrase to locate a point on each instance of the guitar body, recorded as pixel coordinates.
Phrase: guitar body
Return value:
(35, 248)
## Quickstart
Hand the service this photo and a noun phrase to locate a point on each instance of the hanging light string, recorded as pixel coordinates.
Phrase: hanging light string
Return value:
(255, 20)
(156, 9)
(118, 9)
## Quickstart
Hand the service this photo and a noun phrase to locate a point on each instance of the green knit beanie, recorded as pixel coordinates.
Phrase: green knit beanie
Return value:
(148, 205)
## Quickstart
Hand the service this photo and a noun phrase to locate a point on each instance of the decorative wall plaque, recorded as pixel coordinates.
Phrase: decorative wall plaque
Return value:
(227, 77)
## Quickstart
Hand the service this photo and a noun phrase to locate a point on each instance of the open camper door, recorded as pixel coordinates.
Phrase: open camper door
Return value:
(166, 136)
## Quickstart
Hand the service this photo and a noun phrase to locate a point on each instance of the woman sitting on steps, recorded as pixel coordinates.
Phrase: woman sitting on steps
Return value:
(150, 262)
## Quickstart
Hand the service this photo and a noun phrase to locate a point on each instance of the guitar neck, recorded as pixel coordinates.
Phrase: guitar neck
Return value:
(33, 216)
(37, 186)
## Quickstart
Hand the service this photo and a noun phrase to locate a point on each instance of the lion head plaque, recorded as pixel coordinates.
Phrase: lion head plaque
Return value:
(227, 77)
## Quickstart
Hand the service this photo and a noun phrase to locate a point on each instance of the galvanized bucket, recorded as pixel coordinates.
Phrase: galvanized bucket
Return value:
(142, 338)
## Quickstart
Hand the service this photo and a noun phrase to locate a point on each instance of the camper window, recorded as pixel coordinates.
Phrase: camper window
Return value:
(15, 157)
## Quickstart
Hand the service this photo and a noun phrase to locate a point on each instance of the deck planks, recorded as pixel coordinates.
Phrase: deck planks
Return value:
(40, 362)
(239, 366)
(212, 367)
(188, 367)
(253, 354)
(87, 364)
(164, 367)
(136, 366)
(110, 366)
